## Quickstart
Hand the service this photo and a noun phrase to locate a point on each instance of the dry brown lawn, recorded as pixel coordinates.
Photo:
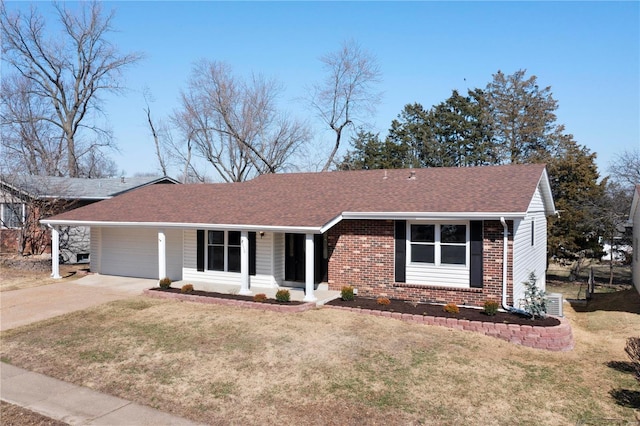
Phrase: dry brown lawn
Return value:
(15, 279)
(225, 365)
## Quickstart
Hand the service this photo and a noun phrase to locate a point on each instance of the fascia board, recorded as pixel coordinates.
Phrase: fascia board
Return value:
(224, 226)
(433, 215)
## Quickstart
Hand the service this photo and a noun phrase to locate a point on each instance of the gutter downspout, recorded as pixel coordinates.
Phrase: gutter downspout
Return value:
(505, 257)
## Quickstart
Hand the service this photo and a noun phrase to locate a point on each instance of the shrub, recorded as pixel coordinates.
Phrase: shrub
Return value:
(491, 307)
(535, 301)
(187, 288)
(165, 282)
(260, 297)
(383, 301)
(347, 293)
(451, 308)
(283, 295)
(633, 350)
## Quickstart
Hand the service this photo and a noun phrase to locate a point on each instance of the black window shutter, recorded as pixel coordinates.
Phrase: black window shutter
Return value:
(401, 249)
(475, 263)
(200, 250)
(252, 253)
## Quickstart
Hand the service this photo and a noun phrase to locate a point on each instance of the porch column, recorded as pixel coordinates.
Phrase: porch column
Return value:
(244, 263)
(55, 253)
(162, 254)
(309, 275)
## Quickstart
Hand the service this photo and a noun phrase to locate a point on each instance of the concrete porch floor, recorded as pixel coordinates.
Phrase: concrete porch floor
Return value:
(297, 293)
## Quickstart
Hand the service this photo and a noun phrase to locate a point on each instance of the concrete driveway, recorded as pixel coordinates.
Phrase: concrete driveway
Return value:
(24, 306)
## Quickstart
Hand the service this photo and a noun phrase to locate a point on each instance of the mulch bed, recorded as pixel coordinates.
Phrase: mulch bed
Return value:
(428, 309)
(224, 296)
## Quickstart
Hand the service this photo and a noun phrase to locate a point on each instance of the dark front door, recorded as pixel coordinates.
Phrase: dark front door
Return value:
(294, 257)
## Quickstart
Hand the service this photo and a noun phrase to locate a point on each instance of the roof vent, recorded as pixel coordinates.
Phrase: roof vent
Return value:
(385, 175)
(413, 175)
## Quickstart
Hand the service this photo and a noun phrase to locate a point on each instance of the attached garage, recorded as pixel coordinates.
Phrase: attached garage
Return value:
(133, 252)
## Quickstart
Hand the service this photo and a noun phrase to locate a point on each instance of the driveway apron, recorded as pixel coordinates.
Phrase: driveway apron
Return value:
(24, 306)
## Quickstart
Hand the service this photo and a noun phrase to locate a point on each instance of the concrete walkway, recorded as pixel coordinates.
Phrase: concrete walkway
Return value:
(73, 404)
(24, 306)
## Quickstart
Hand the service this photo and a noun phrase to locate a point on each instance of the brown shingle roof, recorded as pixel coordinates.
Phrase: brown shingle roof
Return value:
(314, 199)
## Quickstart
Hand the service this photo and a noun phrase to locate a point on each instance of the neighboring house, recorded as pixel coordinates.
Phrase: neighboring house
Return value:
(634, 218)
(461, 235)
(25, 199)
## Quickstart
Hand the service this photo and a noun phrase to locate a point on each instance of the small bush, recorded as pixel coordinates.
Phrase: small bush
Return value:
(451, 308)
(383, 301)
(260, 297)
(187, 288)
(633, 350)
(535, 300)
(283, 295)
(491, 307)
(347, 293)
(165, 282)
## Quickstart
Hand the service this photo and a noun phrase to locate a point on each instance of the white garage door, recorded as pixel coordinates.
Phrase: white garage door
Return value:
(134, 252)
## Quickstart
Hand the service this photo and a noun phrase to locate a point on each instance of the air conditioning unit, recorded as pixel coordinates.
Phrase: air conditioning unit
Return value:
(554, 304)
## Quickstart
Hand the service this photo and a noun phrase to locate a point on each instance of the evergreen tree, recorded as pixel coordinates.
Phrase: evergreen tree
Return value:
(523, 116)
(577, 194)
(369, 152)
(460, 129)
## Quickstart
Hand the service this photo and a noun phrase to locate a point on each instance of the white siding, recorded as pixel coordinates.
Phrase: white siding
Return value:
(529, 258)
(439, 276)
(133, 252)
(278, 258)
(635, 218)
(264, 265)
(96, 252)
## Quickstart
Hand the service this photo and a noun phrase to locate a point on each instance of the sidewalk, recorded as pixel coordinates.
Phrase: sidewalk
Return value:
(74, 404)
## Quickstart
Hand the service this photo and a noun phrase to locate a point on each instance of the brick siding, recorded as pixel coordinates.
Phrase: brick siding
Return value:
(361, 254)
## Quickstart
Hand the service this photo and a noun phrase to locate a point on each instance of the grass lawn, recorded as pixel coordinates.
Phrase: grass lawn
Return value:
(227, 365)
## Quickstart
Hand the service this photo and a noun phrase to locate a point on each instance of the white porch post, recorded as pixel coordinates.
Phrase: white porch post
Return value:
(55, 253)
(309, 275)
(162, 254)
(244, 263)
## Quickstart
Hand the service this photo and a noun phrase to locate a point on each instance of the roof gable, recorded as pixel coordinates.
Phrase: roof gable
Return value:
(314, 200)
(77, 188)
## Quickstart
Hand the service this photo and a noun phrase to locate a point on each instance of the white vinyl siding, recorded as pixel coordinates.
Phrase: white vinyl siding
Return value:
(265, 264)
(133, 252)
(278, 258)
(635, 220)
(438, 274)
(529, 258)
(96, 249)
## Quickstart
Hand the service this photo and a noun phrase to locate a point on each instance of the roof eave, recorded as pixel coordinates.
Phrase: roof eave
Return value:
(159, 225)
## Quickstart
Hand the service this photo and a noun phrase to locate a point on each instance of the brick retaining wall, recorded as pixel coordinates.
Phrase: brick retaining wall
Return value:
(558, 338)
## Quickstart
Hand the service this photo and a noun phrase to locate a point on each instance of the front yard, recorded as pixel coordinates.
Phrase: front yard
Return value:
(228, 365)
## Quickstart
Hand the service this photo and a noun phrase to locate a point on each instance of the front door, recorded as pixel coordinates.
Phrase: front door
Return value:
(294, 257)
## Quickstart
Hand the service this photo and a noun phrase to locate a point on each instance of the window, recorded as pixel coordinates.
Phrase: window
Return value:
(533, 233)
(12, 215)
(223, 255)
(442, 244)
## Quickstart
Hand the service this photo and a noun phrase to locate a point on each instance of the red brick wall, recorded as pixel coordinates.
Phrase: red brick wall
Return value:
(361, 254)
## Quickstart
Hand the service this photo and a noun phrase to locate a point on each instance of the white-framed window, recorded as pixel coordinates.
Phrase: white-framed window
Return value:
(12, 215)
(438, 244)
(223, 251)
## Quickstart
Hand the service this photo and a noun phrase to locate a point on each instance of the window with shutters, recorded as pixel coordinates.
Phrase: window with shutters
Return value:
(438, 244)
(223, 251)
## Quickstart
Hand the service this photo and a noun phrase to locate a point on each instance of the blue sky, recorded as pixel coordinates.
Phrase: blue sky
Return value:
(588, 52)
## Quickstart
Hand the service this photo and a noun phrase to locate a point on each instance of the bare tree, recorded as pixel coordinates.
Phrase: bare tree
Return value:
(625, 168)
(28, 143)
(234, 124)
(347, 93)
(66, 72)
